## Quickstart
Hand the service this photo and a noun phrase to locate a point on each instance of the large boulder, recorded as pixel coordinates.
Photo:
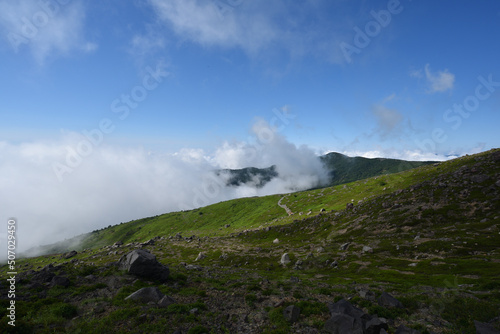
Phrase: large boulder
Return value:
(146, 295)
(291, 313)
(386, 300)
(60, 281)
(143, 264)
(348, 319)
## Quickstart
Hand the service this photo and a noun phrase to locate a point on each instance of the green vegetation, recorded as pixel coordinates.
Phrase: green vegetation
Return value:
(428, 236)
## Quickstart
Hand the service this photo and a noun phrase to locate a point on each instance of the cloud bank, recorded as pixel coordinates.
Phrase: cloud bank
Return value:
(117, 184)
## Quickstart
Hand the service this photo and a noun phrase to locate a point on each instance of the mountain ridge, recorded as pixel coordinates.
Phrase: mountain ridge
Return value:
(429, 237)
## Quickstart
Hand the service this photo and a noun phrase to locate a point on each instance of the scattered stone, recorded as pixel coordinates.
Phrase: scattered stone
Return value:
(201, 256)
(480, 178)
(484, 328)
(344, 247)
(347, 319)
(285, 259)
(349, 206)
(193, 267)
(227, 226)
(320, 249)
(298, 265)
(194, 311)
(367, 294)
(386, 300)
(276, 241)
(144, 264)
(60, 281)
(367, 249)
(166, 301)
(146, 295)
(291, 313)
(69, 255)
(405, 330)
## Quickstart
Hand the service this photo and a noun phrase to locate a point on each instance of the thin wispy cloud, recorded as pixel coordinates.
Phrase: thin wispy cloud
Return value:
(256, 27)
(46, 29)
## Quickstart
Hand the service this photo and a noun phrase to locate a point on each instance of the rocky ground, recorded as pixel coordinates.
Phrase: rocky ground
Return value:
(423, 259)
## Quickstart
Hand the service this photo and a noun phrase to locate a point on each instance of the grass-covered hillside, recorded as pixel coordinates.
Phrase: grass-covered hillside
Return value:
(344, 169)
(428, 236)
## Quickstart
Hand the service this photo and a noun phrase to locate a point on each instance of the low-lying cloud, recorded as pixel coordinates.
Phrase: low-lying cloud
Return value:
(117, 184)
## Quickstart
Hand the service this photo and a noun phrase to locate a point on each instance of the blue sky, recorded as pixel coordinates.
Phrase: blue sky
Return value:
(228, 65)
(193, 83)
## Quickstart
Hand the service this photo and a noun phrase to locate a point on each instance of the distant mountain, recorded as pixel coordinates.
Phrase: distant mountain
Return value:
(344, 169)
(341, 169)
(251, 175)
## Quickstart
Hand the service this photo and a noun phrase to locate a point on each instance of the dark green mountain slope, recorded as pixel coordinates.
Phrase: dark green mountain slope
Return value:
(344, 169)
(251, 175)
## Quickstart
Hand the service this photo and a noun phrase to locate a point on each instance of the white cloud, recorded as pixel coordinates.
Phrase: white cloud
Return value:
(440, 81)
(207, 23)
(115, 184)
(46, 28)
(258, 25)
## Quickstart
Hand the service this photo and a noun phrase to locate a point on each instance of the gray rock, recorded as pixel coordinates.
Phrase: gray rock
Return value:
(375, 325)
(276, 241)
(146, 295)
(291, 313)
(367, 249)
(193, 267)
(166, 301)
(69, 254)
(367, 294)
(60, 281)
(386, 300)
(343, 324)
(141, 263)
(344, 247)
(484, 328)
(480, 178)
(345, 307)
(285, 259)
(201, 256)
(405, 330)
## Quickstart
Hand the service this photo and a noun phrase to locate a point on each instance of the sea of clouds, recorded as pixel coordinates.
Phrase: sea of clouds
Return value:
(116, 184)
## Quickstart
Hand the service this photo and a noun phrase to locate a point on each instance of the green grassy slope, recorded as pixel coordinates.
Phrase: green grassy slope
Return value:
(344, 169)
(433, 235)
(250, 213)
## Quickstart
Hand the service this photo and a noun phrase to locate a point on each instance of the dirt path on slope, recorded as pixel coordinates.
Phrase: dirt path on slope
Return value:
(287, 209)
